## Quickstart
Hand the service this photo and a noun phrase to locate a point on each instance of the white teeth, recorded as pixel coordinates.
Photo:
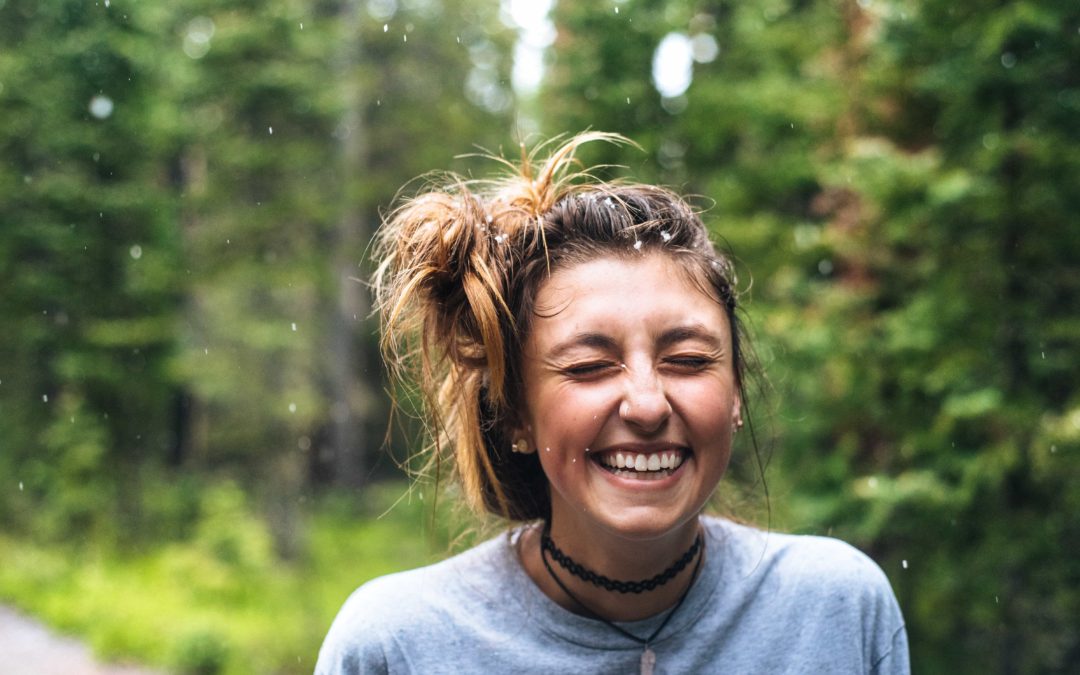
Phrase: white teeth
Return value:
(640, 465)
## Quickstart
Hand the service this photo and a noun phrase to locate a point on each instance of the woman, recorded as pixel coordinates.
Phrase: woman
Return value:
(581, 358)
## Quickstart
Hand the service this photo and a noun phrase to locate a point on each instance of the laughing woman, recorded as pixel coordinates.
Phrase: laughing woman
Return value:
(581, 357)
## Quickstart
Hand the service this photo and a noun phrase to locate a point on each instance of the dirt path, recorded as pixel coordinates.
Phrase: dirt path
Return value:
(27, 647)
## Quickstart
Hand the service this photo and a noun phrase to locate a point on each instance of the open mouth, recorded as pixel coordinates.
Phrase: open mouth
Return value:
(641, 466)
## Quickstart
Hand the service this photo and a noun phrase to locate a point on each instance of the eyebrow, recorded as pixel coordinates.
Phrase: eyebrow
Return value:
(671, 336)
(694, 331)
(586, 339)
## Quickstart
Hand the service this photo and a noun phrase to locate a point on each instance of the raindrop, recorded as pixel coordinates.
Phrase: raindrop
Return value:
(500, 238)
(20, 486)
(616, 10)
(704, 48)
(385, 27)
(1053, 449)
(1044, 355)
(206, 351)
(107, 4)
(825, 267)
(136, 251)
(637, 245)
(301, 25)
(101, 106)
(547, 449)
(872, 482)
(292, 407)
(303, 443)
(904, 563)
(1008, 59)
(404, 38)
(45, 398)
(627, 100)
(271, 129)
(573, 459)
(665, 235)
(200, 30)
(996, 600)
(294, 327)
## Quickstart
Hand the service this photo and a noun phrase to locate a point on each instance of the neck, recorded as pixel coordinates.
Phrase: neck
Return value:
(616, 558)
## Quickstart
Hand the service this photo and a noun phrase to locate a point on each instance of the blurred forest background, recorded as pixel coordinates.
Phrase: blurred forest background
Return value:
(192, 407)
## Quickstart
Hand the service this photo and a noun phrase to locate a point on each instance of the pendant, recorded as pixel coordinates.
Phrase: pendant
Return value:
(648, 660)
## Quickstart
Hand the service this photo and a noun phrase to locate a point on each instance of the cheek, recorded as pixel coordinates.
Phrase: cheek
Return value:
(568, 415)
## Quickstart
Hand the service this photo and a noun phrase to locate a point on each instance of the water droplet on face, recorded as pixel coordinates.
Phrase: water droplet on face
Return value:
(665, 235)
(547, 449)
(637, 245)
(573, 459)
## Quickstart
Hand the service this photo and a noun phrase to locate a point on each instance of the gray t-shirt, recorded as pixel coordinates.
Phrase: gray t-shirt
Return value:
(763, 603)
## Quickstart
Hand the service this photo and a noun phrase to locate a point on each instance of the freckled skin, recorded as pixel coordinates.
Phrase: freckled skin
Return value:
(628, 353)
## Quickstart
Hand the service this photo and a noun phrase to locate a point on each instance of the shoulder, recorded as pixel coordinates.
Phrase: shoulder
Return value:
(823, 588)
(365, 636)
(823, 562)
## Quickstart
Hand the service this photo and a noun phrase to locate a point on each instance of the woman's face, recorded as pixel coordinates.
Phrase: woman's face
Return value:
(630, 396)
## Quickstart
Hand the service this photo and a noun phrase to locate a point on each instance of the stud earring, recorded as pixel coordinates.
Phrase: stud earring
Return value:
(520, 445)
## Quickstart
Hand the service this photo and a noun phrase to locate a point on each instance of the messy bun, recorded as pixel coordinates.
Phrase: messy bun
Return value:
(460, 266)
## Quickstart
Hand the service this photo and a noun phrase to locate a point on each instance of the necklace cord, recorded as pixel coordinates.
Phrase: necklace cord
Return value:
(585, 574)
(642, 641)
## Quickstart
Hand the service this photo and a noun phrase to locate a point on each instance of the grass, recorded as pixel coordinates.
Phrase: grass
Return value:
(220, 602)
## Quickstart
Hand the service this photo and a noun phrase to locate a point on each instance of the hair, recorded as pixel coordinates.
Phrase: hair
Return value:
(460, 265)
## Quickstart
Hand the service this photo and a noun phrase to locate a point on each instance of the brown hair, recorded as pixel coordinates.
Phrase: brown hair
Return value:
(460, 267)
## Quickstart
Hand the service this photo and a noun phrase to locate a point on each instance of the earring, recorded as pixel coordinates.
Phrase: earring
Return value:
(520, 445)
(738, 424)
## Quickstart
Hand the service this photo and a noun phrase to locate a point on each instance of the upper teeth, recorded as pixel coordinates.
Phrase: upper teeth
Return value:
(643, 462)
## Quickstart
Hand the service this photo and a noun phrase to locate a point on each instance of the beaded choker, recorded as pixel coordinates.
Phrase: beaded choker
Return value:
(585, 574)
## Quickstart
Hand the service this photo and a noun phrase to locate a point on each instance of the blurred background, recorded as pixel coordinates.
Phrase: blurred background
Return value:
(192, 406)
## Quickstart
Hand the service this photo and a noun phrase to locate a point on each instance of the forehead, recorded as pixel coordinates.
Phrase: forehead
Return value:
(612, 294)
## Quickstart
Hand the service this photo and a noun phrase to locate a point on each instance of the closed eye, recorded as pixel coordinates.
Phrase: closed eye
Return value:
(690, 363)
(586, 370)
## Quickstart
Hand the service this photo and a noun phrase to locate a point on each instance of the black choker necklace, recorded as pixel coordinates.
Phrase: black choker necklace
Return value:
(648, 656)
(586, 574)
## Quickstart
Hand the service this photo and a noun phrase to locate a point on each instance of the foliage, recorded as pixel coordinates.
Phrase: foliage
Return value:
(217, 603)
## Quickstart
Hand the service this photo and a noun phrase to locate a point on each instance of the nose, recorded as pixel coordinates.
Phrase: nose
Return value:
(645, 405)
